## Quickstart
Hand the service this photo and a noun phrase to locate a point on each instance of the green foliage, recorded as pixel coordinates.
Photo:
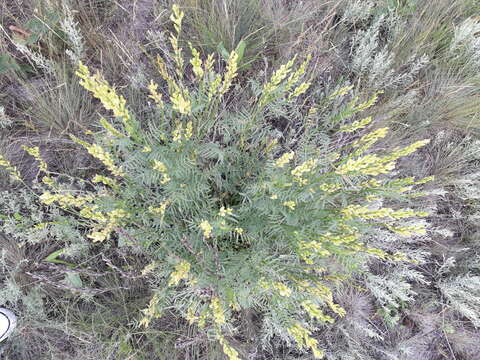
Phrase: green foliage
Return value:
(233, 220)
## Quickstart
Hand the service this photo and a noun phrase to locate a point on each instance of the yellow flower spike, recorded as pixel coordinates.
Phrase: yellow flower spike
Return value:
(181, 272)
(366, 165)
(278, 76)
(35, 152)
(330, 188)
(284, 159)
(303, 339)
(217, 311)
(162, 69)
(151, 311)
(160, 167)
(238, 230)
(293, 78)
(149, 268)
(146, 149)
(188, 131)
(340, 92)
(299, 90)
(290, 204)
(206, 228)
(315, 312)
(176, 18)
(152, 88)
(99, 153)
(160, 210)
(408, 230)
(180, 101)
(406, 150)
(12, 170)
(196, 62)
(209, 63)
(99, 236)
(47, 180)
(363, 212)
(370, 102)
(213, 87)
(282, 289)
(366, 141)
(224, 212)
(104, 180)
(356, 125)
(306, 167)
(228, 350)
(90, 212)
(232, 67)
(107, 95)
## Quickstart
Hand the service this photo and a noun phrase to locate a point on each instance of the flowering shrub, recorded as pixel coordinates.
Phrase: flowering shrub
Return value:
(234, 220)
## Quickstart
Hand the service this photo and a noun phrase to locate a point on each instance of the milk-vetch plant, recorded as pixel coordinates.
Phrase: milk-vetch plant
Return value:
(233, 220)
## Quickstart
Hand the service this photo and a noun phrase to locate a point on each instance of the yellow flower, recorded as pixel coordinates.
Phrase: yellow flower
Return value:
(223, 212)
(12, 170)
(282, 289)
(107, 95)
(299, 90)
(196, 62)
(213, 87)
(152, 88)
(368, 140)
(303, 339)
(364, 212)
(366, 165)
(356, 125)
(35, 152)
(180, 102)
(206, 228)
(340, 92)
(151, 311)
(293, 78)
(181, 272)
(315, 312)
(160, 167)
(277, 77)
(330, 188)
(238, 230)
(408, 230)
(306, 167)
(290, 204)
(232, 66)
(370, 102)
(149, 268)
(99, 153)
(284, 159)
(161, 209)
(217, 311)
(104, 180)
(180, 133)
(231, 353)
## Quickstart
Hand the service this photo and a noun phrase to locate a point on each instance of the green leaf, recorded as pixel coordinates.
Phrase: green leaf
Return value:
(8, 63)
(52, 258)
(222, 51)
(73, 279)
(240, 50)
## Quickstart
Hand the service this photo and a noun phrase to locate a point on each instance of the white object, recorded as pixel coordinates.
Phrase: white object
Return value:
(8, 321)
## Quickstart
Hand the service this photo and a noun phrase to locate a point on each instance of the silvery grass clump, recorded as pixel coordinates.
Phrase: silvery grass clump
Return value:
(233, 219)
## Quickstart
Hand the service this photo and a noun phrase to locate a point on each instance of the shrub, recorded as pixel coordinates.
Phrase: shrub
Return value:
(234, 219)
